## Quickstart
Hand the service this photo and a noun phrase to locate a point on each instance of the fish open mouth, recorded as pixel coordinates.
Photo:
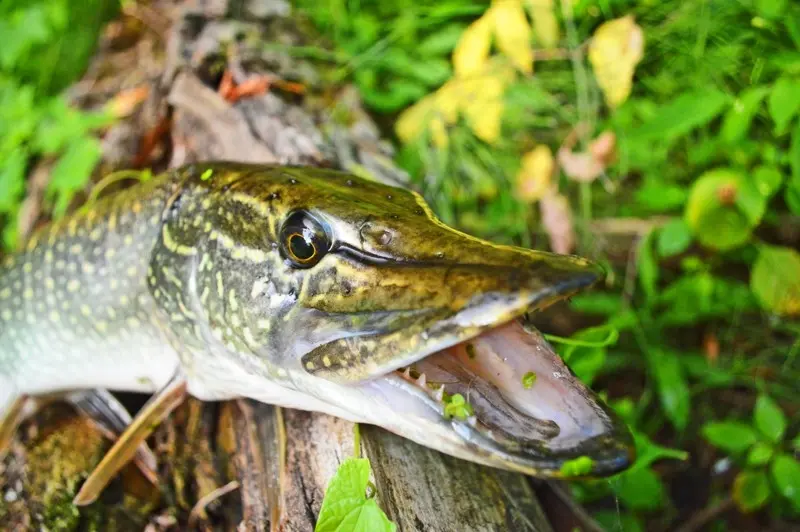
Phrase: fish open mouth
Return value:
(511, 398)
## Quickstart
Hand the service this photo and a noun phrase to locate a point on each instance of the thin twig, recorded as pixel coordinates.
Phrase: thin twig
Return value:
(705, 515)
(200, 508)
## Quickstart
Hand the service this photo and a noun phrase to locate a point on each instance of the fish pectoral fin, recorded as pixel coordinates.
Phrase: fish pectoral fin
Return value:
(112, 418)
(124, 449)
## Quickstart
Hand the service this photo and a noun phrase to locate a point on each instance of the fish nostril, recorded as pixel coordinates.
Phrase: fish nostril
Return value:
(385, 238)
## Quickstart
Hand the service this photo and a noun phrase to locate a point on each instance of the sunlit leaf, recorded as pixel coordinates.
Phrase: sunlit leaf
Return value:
(545, 23)
(751, 490)
(723, 208)
(740, 115)
(768, 180)
(512, 33)
(472, 50)
(783, 103)
(769, 418)
(775, 279)
(673, 238)
(536, 173)
(730, 436)
(683, 114)
(760, 454)
(414, 120)
(346, 506)
(785, 472)
(616, 48)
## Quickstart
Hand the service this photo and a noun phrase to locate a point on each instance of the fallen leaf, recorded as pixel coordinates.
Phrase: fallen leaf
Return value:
(545, 23)
(557, 221)
(513, 33)
(535, 174)
(614, 51)
(588, 165)
(124, 103)
(472, 51)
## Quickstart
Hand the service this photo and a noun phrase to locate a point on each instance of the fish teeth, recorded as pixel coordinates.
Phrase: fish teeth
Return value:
(422, 380)
(439, 394)
(407, 373)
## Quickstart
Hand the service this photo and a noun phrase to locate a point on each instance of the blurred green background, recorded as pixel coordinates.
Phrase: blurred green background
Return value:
(660, 137)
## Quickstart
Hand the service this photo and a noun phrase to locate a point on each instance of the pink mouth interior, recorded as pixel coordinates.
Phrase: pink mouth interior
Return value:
(520, 390)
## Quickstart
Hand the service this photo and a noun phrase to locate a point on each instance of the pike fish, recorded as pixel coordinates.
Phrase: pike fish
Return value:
(305, 288)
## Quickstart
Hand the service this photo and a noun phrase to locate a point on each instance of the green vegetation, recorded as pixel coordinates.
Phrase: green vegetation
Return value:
(47, 45)
(660, 138)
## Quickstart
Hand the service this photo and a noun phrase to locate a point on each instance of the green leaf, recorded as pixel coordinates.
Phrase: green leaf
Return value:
(346, 507)
(794, 155)
(456, 406)
(768, 180)
(730, 436)
(771, 9)
(597, 303)
(614, 520)
(740, 115)
(673, 238)
(751, 490)
(783, 103)
(577, 467)
(640, 489)
(647, 266)
(769, 418)
(442, 42)
(724, 208)
(673, 391)
(12, 180)
(760, 454)
(72, 172)
(683, 114)
(785, 472)
(775, 279)
(792, 196)
(648, 452)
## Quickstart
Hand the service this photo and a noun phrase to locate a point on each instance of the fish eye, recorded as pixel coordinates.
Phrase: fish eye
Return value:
(304, 240)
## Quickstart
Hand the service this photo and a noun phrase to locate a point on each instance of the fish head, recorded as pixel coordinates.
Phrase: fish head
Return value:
(366, 301)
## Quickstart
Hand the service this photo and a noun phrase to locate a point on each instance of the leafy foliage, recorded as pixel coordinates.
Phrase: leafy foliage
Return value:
(630, 110)
(347, 507)
(46, 45)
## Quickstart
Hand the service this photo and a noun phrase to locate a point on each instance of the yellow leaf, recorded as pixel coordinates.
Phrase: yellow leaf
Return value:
(545, 23)
(616, 48)
(439, 133)
(481, 101)
(513, 33)
(414, 120)
(472, 50)
(535, 174)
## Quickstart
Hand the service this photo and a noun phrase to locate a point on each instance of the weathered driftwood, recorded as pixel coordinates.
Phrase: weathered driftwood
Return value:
(241, 464)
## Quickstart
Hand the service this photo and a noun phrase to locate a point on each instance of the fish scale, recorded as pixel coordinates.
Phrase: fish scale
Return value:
(76, 298)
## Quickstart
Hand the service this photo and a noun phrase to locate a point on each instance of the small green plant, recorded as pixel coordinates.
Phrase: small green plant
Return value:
(349, 502)
(763, 452)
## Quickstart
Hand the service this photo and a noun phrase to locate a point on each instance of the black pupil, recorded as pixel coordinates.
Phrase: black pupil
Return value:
(301, 248)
